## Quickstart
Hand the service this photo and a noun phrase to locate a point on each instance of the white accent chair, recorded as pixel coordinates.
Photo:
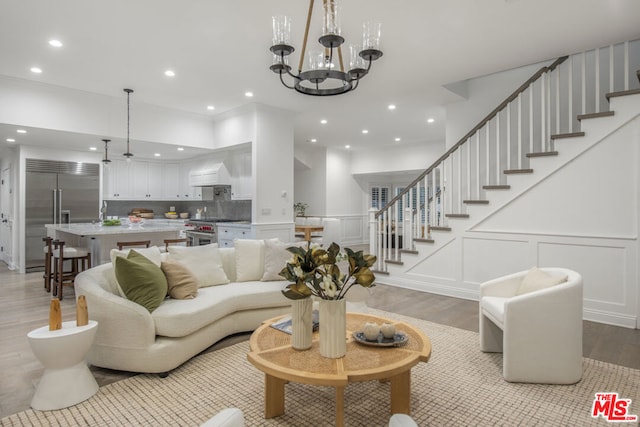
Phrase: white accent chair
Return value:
(536, 322)
(228, 417)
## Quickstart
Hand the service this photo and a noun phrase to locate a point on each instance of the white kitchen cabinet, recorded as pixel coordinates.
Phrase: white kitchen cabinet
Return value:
(117, 180)
(242, 183)
(135, 180)
(146, 180)
(229, 231)
(171, 188)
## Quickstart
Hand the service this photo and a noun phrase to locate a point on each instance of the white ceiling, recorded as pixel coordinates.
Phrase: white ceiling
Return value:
(219, 50)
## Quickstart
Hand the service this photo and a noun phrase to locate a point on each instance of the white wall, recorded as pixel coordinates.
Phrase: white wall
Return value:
(483, 95)
(273, 171)
(270, 130)
(396, 158)
(310, 179)
(45, 106)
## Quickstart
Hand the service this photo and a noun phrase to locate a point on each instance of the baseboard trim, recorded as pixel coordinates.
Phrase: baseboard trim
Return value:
(609, 318)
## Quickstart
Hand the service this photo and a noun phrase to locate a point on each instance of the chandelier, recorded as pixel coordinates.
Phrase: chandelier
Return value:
(323, 78)
(128, 154)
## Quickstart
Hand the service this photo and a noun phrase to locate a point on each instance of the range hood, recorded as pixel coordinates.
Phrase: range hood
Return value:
(213, 175)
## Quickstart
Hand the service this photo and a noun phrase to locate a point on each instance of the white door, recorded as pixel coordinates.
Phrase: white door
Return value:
(6, 220)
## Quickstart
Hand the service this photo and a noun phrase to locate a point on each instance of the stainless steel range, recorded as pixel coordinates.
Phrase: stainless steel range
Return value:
(204, 231)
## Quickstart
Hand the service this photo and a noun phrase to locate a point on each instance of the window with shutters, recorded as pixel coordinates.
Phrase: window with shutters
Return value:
(379, 196)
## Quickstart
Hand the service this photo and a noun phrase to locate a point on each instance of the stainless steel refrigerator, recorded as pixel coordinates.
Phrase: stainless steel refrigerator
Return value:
(57, 193)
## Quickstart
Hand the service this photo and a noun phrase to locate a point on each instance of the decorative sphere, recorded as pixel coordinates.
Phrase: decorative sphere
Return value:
(388, 330)
(371, 331)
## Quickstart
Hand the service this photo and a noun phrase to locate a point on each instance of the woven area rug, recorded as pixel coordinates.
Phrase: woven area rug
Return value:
(459, 386)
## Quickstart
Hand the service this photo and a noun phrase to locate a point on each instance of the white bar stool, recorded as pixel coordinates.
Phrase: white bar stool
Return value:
(66, 380)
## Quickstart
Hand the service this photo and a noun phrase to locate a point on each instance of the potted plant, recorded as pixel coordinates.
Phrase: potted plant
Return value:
(300, 208)
(314, 272)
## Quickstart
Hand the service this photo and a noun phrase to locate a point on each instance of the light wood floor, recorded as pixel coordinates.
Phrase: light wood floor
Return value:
(24, 306)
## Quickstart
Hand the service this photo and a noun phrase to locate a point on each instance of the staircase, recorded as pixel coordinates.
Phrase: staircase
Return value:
(554, 119)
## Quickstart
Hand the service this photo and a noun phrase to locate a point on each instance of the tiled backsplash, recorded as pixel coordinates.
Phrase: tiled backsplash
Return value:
(231, 209)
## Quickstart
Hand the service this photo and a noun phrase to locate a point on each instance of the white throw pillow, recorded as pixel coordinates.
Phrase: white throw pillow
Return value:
(203, 261)
(276, 256)
(249, 259)
(536, 279)
(152, 253)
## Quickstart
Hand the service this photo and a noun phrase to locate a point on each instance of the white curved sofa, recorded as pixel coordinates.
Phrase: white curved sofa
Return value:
(130, 338)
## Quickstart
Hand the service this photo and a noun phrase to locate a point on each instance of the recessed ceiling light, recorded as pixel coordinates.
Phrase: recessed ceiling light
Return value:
(21, 131)
(210, 107)
(55, 43)
(248, 94)
(323, 121)
(36, 70)
(11, 140)
(347, 146)
(170, 73)
(156, 154)
(397, 139)
(92, 148)
(365, 131)
(180, 149)
(430, 120)
(314, 140)
(391, 107)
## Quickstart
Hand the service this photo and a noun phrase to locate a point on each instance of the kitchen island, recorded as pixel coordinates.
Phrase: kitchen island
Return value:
(100, 239)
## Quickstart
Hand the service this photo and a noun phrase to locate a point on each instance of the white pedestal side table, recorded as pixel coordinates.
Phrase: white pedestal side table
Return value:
(66, 380)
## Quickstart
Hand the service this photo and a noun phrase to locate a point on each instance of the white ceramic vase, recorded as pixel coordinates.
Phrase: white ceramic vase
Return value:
(301, 323)
(333, 328)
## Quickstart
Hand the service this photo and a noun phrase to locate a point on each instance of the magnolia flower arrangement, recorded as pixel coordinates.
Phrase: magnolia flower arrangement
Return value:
(314, 271)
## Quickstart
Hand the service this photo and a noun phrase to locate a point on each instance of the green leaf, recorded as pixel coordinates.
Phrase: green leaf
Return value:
(365, 277)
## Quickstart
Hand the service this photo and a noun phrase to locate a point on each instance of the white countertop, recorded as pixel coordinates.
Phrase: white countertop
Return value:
(149, 226)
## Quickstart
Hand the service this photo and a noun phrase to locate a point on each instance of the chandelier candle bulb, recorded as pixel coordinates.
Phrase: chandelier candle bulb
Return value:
(371, 35)
(281, 29)
(331, 21)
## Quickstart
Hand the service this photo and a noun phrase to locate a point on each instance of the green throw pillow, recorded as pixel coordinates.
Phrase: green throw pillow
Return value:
(141, 280)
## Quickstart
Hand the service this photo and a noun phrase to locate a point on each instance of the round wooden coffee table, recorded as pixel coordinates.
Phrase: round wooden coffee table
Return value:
(271, 352)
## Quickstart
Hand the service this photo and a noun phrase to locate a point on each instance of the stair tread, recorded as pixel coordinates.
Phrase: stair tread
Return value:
(542, 154)
(595, 115)
(386, 273)
(440, 228)
(516, 171)
(393, 261)
(423, 240)
(496, 187)
(409, 251)
(622, 93)
(456, 215)
(567, 135)
(476, 202)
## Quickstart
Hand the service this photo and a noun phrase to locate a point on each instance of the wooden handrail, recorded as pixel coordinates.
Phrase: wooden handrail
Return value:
(477, 127)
